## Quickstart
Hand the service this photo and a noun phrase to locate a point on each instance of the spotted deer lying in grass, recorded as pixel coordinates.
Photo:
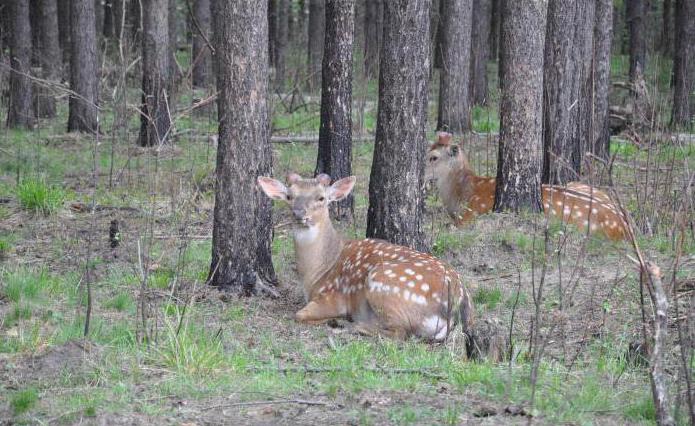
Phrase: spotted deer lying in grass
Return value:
(382, 287)
(466, 195)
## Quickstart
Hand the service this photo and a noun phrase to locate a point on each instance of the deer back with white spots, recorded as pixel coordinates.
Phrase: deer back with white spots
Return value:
(466, 195)
(382, 287)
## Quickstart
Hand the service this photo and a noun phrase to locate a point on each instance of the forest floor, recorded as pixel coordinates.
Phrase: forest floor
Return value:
(201, 356)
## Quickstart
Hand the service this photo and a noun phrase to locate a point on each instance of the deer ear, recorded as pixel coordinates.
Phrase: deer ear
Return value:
(324, 179)
(272, 188)
(453, 150)
(444, 138)
(341, 188)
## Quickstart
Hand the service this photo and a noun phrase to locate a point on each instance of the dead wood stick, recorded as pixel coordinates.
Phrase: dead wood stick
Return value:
(271, 402)
(425, 373)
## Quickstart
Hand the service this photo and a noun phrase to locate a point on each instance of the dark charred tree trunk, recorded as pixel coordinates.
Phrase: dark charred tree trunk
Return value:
(335, 134)
(636, 14)
(373, 31)
(202, 66)
(35, 31)
(50, 57)
(173, 22)
(135, 13)
(155, 121)
(82, 116)
(281, 42)
(521, 110)
(567, 78)
(684, 64)
(242, 229)
(603, 39)
(117, 12)
(272, 29)
(20, 112)
(437, 14)
(317, 24)
(99, 18)
(480, 51)
(666, 40)
(495, 19)
(64, 28)
(396, 200)
(454, 106)
(108, 19)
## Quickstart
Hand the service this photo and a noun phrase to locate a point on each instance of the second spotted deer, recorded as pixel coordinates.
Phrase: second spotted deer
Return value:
(382, 287)
(466, 195)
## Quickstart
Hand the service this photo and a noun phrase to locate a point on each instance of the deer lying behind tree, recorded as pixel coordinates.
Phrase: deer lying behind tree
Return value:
(466, 195)
(382, 287)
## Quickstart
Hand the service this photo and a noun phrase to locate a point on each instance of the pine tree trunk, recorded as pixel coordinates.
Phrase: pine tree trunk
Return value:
(521, 111)
(317, 23)
(684, 65)
(272, 29)
(603, 39)
(480, 51)
(20, 112)
(396, 197)
(50, 56)
(437, 18)
(495, 19)
(64, 29)
(335, 134)
(567, 76)
(281, 42)
(666, 41)
(202, 71)
(82, 114)
(172, 23)
(155, 122)
(373, 30)
(454, 107)
(636, 13)
(242, 229)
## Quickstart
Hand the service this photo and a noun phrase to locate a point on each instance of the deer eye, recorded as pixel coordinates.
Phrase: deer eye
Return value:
(433, 159)
(289, 197)
(321, 198)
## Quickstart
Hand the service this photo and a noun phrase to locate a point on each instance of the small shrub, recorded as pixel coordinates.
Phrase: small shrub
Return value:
(22, 401)
(121, 302)
(37, 196)
(24, 283)
(642, 410)
(488, 297)
(4, 248)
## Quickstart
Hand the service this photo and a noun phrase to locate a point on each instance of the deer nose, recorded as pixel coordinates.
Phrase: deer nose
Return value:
(299, 213)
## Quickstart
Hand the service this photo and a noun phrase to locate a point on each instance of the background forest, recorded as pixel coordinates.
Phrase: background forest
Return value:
(144, 278)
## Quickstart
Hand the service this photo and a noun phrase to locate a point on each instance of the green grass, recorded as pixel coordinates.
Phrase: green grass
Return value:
(37, 196)
(24, 400)
(489, 298)
(121, 302)
(24, 283)
(485, 119)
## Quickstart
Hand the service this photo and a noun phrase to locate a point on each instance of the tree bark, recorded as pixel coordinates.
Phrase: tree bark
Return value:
(437, 11)
(373, 30)
(82, 114)
(98, 18)
(684, 64)
(454, 106)
(64, 28)
(281, 42)
(20, 112)
(202, 71)
(567, 82)
(636, 13)
(242, 228)
(396, 199)
(272, 29)
(495, 19)
(317, 24)
(603, 39)
(480, 51)
(108, 19)
(335, 134)
(50, 57)
(666, 41)
(155, 122)
(521, 110)
(172, 23)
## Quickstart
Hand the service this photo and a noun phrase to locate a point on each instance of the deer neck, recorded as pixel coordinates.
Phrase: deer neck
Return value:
(457, 186)
(317, 248)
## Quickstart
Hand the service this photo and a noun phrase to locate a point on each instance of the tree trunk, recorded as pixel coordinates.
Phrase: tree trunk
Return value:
(567, 77)
(64, 28)
(202, 71)
(281, 42)
(272, 29)
(437, 18)
(480, 51)
(636, 13)
(98, 18)
(155, 122)
(666, 41)
(684, 64)
(521, 109)
(495, 19)
(373, 31)
(335, 134)
(317, 23)
(172, 23)
(242, 228)
(396, 196)
(50, 56)
(454, 107)
(108, 19)
(20, 112)
(82, 116)
(603, 38)
(135, 13)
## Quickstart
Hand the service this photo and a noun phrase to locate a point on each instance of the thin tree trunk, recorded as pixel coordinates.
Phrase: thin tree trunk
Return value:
(521, 111)
(373, 30)
(50, 56)
(603, 38)
(480, 51)
(20, 112)
(437, 11)
(396, 200)
(495, 19)
(454, 106)
(64, 28)
(242, 228)
(202, 71)
(272, 29)
(684, 64)
(335, 134)
(172, 23)
(317, 23)
(666, 41)
(281, 42)
(82, 114)
(567, 77)
(99, 18)
(108, 18)
(155, 121)
(636, 14)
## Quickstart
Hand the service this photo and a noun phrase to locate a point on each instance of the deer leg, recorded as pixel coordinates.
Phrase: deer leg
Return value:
(372, 331)
(319, 312)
